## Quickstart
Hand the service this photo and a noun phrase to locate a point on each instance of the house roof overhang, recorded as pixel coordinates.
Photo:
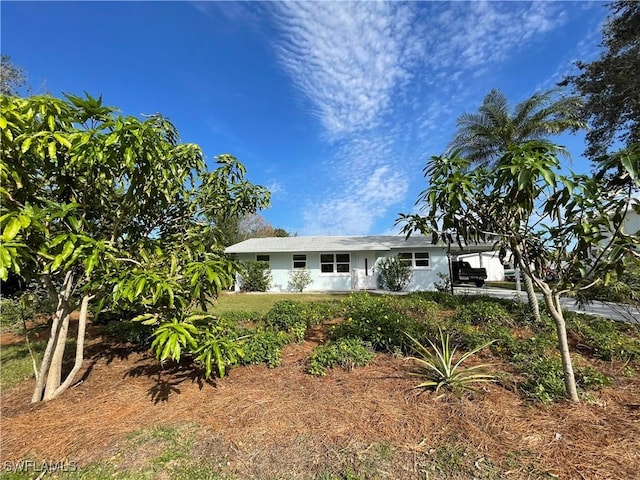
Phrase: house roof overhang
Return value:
(346, 244)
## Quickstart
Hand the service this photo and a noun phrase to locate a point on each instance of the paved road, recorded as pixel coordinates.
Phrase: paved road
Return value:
(604, 309)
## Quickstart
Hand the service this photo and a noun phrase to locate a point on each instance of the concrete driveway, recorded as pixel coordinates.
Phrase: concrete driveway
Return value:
(613, 311)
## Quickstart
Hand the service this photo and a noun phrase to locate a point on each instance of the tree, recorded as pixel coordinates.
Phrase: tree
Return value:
(485, 136)
(570, 222)
(11, 77)
(235, 229)
(610, 85)
(110, 208)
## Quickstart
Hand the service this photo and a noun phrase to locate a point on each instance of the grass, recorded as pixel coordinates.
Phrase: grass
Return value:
(16, 365)
(262, 302)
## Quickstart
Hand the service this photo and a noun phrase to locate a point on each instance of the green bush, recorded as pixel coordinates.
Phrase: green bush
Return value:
(295, 317)
(442, 299)
(264, 346)
(393, 274)
(483, 313)
(376, 320)
(13, 311)
(605, 339)
(256, 276)
(545, 378)
(345, 352)
(418, 306)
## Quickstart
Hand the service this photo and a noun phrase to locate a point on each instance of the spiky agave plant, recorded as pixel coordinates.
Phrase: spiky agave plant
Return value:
(440, 369)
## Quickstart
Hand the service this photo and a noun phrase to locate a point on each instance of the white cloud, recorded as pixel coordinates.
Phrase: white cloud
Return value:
(347, 58)
(386, 80)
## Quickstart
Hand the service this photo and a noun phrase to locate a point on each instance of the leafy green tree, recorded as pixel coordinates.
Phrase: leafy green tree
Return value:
(611, 84)
(99, 206)
(11, 77)
(570, 222)
(485, 136)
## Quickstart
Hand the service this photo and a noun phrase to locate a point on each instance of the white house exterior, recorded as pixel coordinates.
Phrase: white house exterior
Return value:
(343, 264)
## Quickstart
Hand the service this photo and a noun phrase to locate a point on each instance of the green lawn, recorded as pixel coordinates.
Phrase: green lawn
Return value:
(262, 302)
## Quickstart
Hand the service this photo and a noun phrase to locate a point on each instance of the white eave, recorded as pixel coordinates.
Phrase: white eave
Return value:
(337, 244)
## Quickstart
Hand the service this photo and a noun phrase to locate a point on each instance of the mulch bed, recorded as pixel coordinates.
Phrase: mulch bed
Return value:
(282, 421)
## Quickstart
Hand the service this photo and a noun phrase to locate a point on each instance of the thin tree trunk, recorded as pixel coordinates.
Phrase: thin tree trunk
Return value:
(54, 376)
(531, 294)
(82, 324)
(533, 299)
(553, 305)
(62, 310)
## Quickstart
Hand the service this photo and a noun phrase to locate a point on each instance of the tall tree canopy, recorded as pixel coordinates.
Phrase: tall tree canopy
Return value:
(99, 206)
(611, 83)
(486, 135)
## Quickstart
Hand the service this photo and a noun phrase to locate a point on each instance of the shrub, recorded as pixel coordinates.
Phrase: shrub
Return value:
(299, 280)
(606, 339)
(16, 310)
(483, 312)
(294, 317)
(264, 346)
(393, 274)
(376, 320)
(256, 276)
(417, 305)
(346, 353)
(444, 284)
(443, 299)
(438, 366)
(545, 378)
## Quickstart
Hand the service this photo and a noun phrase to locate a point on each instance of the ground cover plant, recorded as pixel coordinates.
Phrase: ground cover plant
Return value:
(335, 406)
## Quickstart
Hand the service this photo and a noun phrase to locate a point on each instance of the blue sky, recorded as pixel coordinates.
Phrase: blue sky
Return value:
(335, 107)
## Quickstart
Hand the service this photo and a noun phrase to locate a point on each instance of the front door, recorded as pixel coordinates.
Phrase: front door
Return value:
(366, 274)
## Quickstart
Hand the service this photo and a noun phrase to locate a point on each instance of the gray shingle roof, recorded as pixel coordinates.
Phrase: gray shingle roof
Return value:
(330, 244)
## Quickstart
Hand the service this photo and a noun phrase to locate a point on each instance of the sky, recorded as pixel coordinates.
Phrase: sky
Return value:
(335, 107)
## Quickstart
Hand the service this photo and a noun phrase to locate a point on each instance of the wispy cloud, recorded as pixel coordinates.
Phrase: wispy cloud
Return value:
(385, 80)
(347, 58)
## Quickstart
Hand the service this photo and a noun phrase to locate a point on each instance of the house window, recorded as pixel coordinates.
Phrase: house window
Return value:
(415, 259)
(335, 263)
(299, 260)
(262, 258)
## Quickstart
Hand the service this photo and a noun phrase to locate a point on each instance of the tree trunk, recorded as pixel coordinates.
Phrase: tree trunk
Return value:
(533, 300)
(54, 375)
(82, 324)
(531, 294)
(62, 312)
(553, 305)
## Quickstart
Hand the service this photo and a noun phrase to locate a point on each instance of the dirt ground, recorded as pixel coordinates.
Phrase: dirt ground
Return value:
(264, 422)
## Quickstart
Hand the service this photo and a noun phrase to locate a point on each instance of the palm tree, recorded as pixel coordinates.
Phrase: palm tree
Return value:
(485, 136)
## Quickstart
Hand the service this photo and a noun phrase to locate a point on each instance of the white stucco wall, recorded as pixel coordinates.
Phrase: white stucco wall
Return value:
(281, 265)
